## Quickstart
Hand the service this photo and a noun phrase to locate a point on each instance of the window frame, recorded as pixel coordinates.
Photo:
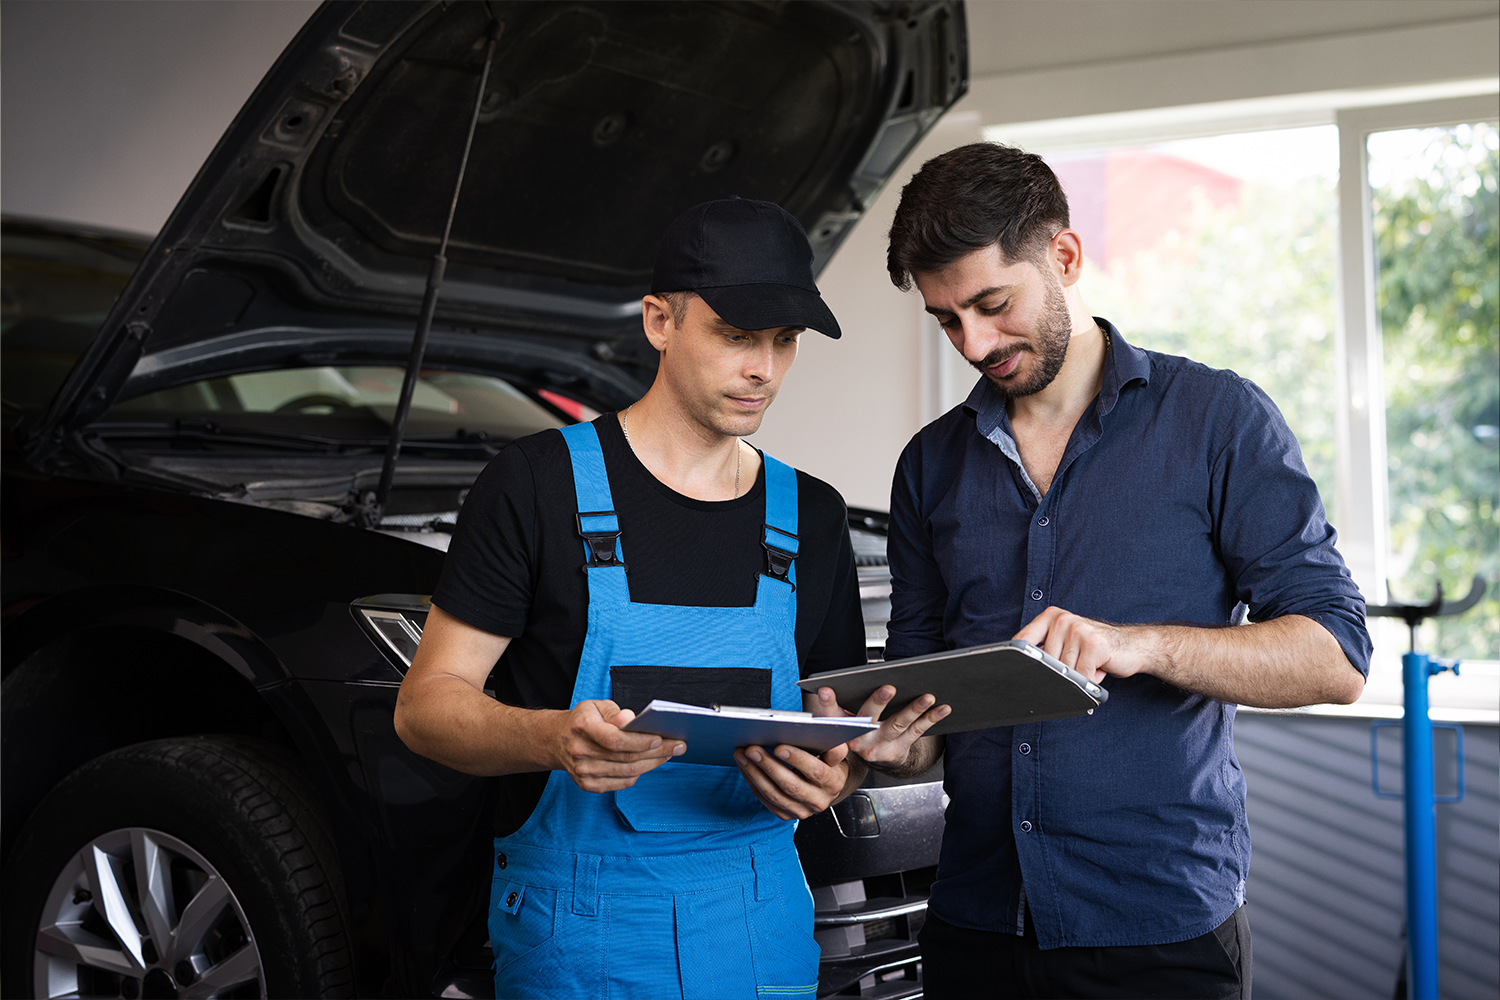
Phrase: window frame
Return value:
(1360, 446)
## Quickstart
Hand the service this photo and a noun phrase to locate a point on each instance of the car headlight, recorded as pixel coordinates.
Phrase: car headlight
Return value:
(394, 622)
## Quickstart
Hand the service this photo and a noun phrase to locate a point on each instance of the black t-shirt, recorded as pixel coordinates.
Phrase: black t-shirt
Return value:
(515, 568)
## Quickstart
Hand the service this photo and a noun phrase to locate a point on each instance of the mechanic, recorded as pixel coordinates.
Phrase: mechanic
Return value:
(1121, 509)
(617, 870)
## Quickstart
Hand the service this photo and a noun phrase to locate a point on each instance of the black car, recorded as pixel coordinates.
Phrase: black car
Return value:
(209, 595)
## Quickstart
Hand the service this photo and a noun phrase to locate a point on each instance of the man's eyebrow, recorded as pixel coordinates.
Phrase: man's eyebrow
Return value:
(966, 303)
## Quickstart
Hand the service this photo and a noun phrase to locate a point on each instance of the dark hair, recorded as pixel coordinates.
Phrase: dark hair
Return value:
(678, 302)
(973, 197)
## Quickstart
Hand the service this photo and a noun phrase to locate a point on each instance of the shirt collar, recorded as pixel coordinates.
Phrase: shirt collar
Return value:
(1123, 364)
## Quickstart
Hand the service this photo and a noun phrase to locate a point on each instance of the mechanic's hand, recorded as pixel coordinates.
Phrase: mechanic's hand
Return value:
(1095, 649)
(891, 744)
(793, 783)
(599, 755)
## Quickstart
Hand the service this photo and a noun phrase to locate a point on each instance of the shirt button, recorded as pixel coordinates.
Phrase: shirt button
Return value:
(1043, 521)
(1036, 595)
(510, 900)
(1025, 748)
(500, 860)
(1025, 826)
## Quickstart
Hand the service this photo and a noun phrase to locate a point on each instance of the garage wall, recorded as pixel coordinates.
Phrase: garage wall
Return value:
(108, 107)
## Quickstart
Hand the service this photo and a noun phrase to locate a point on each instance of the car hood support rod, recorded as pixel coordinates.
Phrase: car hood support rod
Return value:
(373, 507)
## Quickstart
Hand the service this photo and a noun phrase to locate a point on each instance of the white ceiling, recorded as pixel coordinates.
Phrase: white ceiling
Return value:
(1010, 36)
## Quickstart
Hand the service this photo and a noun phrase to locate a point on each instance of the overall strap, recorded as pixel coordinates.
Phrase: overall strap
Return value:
(597, 523)
(779, 535)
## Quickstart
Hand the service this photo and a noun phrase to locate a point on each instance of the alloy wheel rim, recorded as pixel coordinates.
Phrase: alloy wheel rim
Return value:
(137, 913)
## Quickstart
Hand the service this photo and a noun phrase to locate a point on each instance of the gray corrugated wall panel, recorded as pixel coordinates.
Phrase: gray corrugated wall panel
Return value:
(1307, 943)
(1299, 957)
(1327, 877)
(1469, 879)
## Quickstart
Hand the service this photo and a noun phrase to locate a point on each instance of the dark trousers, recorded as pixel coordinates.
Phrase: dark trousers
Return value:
(962, 964)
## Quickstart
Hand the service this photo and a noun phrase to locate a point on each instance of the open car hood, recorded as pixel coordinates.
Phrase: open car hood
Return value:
(307, 236)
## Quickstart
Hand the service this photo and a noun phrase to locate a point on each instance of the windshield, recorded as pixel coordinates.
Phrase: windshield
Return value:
(346, 404)
(55, 290)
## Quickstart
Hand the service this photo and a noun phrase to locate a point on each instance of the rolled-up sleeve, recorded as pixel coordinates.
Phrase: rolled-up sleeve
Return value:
(1272, 531)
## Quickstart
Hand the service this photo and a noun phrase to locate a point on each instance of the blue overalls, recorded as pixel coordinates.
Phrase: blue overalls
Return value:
(682, 885)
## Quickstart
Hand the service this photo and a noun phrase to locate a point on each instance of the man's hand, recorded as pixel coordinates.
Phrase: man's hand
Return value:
(897, 747)
(1094, 649)
(793, 783)
(891, 744)
(1285, 662)
(443, 714)
(591, 744)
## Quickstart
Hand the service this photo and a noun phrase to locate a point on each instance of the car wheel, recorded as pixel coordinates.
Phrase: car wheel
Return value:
(185, 867)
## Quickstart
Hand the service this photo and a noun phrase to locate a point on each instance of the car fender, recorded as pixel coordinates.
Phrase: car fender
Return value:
(149, 607)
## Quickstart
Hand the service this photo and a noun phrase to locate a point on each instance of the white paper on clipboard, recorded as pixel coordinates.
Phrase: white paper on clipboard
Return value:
(712, 733)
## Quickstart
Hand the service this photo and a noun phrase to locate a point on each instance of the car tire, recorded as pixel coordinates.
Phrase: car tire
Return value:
(221, 836)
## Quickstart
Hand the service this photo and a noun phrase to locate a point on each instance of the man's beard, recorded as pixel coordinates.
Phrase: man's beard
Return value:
(1049, 342)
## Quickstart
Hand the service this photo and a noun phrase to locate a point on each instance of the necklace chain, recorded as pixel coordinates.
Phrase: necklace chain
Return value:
(739, 452)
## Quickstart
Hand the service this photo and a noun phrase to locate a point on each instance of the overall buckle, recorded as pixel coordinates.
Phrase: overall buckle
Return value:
(600, 529)
(781, 552)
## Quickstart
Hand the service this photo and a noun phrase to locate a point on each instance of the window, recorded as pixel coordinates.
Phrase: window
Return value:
(1222, 249)
(1419, 275)
(1434, 210)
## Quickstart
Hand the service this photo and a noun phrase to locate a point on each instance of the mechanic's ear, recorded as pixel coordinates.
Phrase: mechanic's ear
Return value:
(656, 319)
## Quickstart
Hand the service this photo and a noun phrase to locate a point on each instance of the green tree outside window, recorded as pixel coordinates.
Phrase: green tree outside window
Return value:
(1435, 208)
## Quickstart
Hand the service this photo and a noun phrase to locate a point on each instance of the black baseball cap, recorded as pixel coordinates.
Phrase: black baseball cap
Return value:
(749, 260)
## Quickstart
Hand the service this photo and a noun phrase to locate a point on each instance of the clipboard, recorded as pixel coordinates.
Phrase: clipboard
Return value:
(1004, 684)
(712, 733)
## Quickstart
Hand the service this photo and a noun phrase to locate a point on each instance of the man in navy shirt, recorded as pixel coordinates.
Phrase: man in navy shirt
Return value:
(1148, 521)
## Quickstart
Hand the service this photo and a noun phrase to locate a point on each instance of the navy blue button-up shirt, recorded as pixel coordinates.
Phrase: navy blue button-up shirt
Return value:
(1181, 497)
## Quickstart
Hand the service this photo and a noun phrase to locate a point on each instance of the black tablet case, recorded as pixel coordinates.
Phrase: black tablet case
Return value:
(1004, 684)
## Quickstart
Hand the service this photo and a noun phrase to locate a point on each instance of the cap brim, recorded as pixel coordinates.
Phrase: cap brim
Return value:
(771, 306)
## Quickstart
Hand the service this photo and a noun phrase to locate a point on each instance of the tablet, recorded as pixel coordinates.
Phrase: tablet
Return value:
(1004, 684)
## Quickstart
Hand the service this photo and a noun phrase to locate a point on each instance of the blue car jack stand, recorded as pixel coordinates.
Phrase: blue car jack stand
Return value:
(1418, 790)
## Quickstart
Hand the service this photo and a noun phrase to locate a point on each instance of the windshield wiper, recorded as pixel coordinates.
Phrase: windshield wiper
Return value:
(459, 436)
(460, 442)
(209, 431)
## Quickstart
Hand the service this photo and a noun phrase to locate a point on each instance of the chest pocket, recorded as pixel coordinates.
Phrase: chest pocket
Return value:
(692, 798)
(688, 797)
